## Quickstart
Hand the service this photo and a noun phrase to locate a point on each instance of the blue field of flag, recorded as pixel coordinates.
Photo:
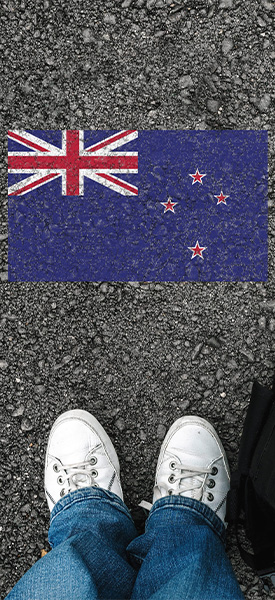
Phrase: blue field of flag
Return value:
(138, 205)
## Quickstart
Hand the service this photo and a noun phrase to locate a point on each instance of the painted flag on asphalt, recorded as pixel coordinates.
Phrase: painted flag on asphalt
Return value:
(137, 205)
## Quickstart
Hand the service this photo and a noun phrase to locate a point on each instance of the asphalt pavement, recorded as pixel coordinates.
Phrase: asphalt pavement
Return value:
(137, 355)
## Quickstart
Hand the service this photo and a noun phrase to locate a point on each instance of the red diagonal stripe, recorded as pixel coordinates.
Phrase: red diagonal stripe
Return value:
(120, 183)
(110, 141)
(34, 184)
(19, 138)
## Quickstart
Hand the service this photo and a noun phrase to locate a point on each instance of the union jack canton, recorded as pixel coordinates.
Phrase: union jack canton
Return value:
(72, 162)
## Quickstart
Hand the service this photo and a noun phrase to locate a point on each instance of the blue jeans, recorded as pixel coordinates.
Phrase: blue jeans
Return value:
(96, 553)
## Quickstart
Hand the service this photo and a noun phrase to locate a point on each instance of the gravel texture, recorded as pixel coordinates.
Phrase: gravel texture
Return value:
(137, 355)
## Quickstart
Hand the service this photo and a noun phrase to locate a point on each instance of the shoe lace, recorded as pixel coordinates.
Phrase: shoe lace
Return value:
(78, 475)
(198, 477)
(186, 472)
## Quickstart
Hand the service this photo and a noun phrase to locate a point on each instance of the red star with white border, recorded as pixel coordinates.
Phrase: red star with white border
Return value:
(221, 198)
(197, 250)
(169, 205)
(197, 177)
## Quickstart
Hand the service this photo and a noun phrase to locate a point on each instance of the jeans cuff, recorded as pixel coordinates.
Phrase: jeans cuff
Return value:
(195, 506)
(86, 495)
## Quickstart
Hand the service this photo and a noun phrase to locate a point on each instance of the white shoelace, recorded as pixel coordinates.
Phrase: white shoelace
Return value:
(77, 475)
(200, 475)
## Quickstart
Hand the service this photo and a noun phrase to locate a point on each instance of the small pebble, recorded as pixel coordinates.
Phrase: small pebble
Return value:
(247, 354)
(262, 322)
(227, 45)
(109, 18)
(214, 342)
(264, 103)
(232, 364)
(142, 435)
(197, 350)
(87, 36)
(66, 359)
(25, 509)
(126, 358)
(213, 105)
(120, 424)
(261, 22)
(39, 389)
(183, 404)
(18, 412)
(219, 374)
(161, 431)
(268, 5)
(226, 3)
(185, 81)
(26, 424)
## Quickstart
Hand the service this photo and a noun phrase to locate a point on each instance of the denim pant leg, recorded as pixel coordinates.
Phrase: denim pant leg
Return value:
(182, 554)
(89, 532)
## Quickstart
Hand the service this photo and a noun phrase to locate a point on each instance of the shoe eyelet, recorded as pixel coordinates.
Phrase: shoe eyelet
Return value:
(56, 468)
(214, 471)
(60, 480)
(94, 473)
(95, 485)
(211, 483)
(93, 460)
(210, 497)
(171, 479)
(170, 492)
(62, 493)
(172, 465)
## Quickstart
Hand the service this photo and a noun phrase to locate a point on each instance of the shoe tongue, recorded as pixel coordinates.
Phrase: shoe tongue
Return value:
(80, 479)
(186, 486)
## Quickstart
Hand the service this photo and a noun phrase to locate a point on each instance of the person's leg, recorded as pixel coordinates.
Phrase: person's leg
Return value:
(182, 553)
(90, 525)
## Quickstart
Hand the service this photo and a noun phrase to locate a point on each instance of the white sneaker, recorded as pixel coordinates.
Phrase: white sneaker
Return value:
(193, 463)
(79, 454)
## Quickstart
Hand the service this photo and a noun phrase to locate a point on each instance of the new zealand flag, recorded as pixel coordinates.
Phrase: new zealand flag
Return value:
(137, 205)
